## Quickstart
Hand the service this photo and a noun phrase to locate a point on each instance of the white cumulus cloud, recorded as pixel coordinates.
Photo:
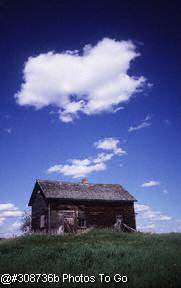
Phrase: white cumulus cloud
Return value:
(150, 184)
(7, 207)
(110, 144)
(93, 81)
(14, 213)
(77, 168)
(9, 210)
(10, 229)
(148, 213)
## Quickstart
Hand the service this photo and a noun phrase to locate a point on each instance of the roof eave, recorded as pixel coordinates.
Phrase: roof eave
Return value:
(88, 200)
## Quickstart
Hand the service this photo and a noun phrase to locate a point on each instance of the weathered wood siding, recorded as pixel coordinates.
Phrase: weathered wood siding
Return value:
(104, 215)
(97, 214)
(39, 208)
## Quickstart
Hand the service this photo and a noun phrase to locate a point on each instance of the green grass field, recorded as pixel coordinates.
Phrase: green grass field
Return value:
(148, 260)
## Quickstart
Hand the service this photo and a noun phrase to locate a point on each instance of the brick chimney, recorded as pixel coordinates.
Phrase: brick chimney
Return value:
(85, 181)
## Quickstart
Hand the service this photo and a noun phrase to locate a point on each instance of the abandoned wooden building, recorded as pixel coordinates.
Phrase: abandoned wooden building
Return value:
(59, 207)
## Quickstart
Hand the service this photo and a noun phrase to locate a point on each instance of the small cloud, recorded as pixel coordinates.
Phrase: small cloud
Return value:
(80, 168)
(7, 116)
(147, 212)
(118, 109)
(102, 157)
(16, 225)
(8, 130)
(7, 214)
(147, 118)
(77, 168)
(10, 229)
(150, 184)
(141, 207)
(150, 227)
(110, 144)
(9, 210)
(144, 123)
(149, 220)
(165, 191)
(140, 126)
(167, 122)
(2, 220)
(52, 112)
(7, 207)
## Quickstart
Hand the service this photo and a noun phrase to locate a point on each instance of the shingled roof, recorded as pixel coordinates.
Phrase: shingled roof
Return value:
(81, 191)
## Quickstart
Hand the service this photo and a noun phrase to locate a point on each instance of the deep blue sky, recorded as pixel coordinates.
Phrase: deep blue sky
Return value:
(37, 140)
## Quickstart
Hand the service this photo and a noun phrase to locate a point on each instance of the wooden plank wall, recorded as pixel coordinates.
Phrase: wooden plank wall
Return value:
(98, 214)
(39, 208)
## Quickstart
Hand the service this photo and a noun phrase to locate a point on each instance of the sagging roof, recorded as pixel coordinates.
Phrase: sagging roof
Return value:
(83, 191)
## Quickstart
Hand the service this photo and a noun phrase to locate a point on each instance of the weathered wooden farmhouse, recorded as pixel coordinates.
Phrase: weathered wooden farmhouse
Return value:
(64, 206)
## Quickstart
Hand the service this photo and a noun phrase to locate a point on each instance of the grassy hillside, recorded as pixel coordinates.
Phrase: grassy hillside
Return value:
(147, 260)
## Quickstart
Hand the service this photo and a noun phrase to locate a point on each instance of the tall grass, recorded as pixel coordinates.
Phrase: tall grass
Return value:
(148, 260)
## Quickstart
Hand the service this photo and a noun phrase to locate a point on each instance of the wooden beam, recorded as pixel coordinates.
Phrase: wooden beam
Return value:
(129, 228)
(49, 219)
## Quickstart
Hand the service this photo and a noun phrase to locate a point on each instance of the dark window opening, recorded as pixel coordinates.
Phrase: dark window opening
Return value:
(82, 223)
(81, 219)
